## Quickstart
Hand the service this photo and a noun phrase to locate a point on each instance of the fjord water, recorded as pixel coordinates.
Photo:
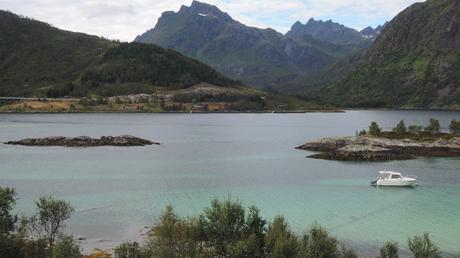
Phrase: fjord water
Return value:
(250, 157)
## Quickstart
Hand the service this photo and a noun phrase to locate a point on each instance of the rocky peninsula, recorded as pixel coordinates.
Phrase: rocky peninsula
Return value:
(379, 148)
(85, 141)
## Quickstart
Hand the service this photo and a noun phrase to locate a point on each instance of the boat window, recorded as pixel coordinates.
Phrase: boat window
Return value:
(395, 176)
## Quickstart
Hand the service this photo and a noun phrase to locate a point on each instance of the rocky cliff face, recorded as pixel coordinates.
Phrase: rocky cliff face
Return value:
(414, 63)
(332, 32)
(373, 33)
(258, 57)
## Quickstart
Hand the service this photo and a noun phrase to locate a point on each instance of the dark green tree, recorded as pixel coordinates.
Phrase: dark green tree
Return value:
(7, 202)
(128, 250)
(389, 250)
(319, 244)
(66, 247)
(50, 217)
(400, 128)
(423, 247)
(454, 126)
(281, 241)
(434, 126)
(374, 129)
(224, 224)
(253, 242)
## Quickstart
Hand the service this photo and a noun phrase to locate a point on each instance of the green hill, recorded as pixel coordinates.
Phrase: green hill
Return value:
(37, 59)
(414, 63)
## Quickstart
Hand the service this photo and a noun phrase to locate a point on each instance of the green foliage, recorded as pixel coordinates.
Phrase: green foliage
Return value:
(348, 253)
(389, 250)
(400, 128)
(76, 64)
(423, 247)
(7, 202)
(414, 63)
(128, 250)
(281, 241)
(67, 247)
(415, 129)
(319, 244)
(454, 126)
(433, 126)
(224, 224)
(24, 239)
(374, 129)
(51, 214)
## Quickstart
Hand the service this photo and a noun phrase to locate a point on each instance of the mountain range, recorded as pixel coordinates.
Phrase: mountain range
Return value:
(414, 63)
(263, 58)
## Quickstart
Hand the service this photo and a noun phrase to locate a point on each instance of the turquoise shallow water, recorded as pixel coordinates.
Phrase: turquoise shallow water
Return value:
(118, 191)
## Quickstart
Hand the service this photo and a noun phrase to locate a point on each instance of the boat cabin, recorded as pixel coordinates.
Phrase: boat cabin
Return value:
(389, 175)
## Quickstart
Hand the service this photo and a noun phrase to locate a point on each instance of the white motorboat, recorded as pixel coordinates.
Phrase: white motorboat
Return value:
(391, 178)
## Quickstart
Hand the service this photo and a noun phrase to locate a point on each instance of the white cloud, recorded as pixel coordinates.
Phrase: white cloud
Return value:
(124, 19)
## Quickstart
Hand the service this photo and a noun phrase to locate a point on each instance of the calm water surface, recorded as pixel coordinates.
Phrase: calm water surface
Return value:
(119, 191)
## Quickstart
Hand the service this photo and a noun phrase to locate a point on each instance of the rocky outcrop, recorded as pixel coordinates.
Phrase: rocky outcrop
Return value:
(369, 148)
(84, 141)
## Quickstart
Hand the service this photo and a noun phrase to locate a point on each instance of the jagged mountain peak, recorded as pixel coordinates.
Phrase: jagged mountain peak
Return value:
(204, 10)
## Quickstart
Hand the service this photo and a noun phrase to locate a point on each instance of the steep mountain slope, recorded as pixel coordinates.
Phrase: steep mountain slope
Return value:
(415, 62)
(331, 32)
(372, 33)
(259, 57)
(36, 59)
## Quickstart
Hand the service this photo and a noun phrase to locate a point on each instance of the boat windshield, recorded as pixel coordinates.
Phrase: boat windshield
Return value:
(395, 176)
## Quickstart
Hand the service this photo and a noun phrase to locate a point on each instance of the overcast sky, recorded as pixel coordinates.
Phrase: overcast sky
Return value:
(125, 19)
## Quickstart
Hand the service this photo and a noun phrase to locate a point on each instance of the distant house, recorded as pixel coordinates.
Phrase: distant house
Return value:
(197, 108)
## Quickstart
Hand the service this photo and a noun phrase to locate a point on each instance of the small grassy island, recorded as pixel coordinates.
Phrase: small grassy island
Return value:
(84, 141)
(401, 143)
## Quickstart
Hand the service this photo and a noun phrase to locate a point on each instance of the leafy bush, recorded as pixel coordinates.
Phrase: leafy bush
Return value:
(389, 250)
(374, 129)
(128, 250)
(434, 126)
(454, 126)
(400, 128)
(66, 247)
(415, 129)
(423, 247)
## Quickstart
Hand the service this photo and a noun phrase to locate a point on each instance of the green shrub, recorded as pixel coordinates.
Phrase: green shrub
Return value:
(319, 244)
(281, 241)
(128, 250)
(415, 129)
(454, 126)
(423, 247)
(389, 250)
(400, 128)
(434, 126)
(66, 247)
(374, 129)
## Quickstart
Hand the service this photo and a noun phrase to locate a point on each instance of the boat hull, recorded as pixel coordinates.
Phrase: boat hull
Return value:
(397, 183)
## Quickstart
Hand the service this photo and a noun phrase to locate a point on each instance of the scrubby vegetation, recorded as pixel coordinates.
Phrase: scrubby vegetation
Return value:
(76, 64)
(432, 131)
(38, 236)
(225, 229)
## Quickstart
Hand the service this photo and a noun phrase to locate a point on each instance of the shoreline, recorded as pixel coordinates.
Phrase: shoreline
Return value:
(178, 112)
